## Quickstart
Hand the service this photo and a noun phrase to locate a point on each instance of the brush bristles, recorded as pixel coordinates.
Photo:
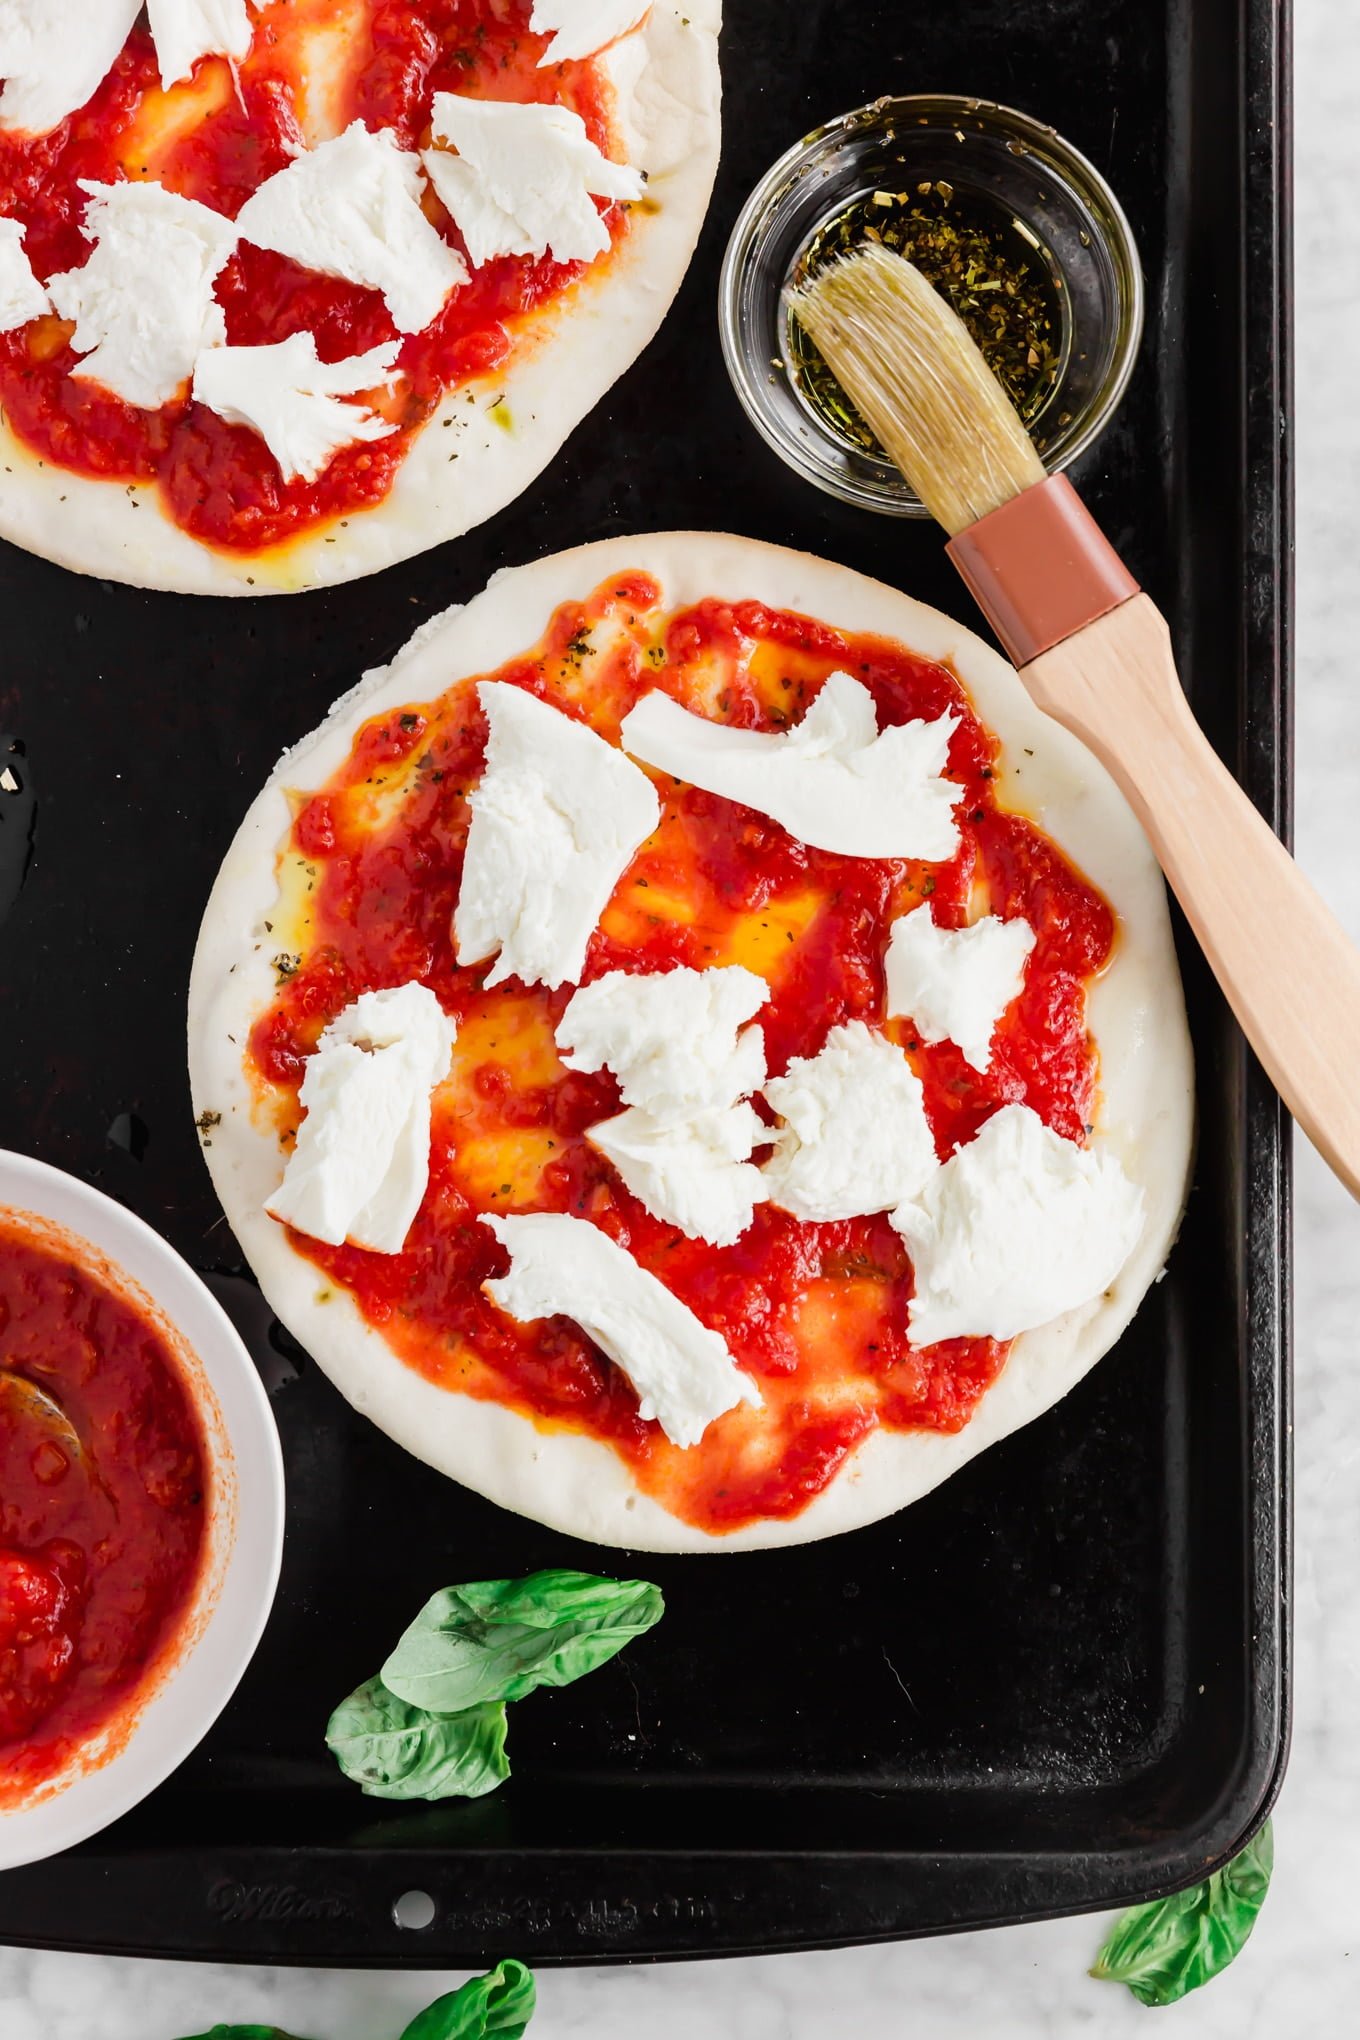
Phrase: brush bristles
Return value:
(913, 371)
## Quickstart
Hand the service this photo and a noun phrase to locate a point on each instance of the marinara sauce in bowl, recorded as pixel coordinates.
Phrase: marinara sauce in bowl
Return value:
(141, 1510)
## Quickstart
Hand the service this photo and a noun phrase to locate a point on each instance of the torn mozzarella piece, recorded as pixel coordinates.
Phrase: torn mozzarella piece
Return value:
(143, 304)
(22, 297)
(560, 1266)
(675, 1039)
(522, 180)
(695, 1173)
(556, 821)
(185, 30)
(361, 1163)
(954, 984)
(1015, 1229)
(855, 1138)
(684, 1062)
(351, 208)
(54, 56)
(292, 399)
(581, 27)
(836, 780)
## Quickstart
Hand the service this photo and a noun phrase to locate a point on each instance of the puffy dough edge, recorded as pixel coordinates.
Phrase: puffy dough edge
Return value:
(576, 1484)
(667, 89)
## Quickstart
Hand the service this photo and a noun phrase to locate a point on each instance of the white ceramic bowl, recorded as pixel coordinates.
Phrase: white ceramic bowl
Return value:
(245, 1527)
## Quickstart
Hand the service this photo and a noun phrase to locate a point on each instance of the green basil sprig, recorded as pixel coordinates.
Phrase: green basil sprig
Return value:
(497, 2006)
(396, 1751)
(1164, 1950)
(500, 2004)
(244, 2033)
(499, 1639)
(432, 1724)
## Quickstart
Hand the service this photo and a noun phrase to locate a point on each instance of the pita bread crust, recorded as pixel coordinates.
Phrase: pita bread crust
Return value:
(667, 91)
(573, 1483)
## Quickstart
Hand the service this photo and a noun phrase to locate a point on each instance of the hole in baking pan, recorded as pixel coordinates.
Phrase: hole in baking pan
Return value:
(414, 1910)
(279, 1359)
(129, 1132)
(18, 815)
(286, 1358)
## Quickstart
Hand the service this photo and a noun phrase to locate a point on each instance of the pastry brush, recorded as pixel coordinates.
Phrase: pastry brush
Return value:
(1095, 654)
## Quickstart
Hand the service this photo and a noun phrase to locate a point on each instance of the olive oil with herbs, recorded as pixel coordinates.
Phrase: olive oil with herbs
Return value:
(986, 264)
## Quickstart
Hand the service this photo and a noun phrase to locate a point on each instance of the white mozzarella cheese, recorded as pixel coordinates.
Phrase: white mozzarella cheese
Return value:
(580, 27)
(54, 56)
(836, 780)
(695, 1173)
(351, 208)
(487, 227)
(22, 297)
(676, 1039)
(954, 984)
(185, 30)
(684, 1059)
(361, 1162)
(293, 399)
(560, 1266)
(1015, 1229)
(556, 820)
(143, 304)
(522, 180)
(855, 1137)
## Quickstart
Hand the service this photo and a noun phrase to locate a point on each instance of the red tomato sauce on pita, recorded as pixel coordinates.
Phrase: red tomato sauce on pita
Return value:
(99, 1554)
(240, 126)
(816, 1313)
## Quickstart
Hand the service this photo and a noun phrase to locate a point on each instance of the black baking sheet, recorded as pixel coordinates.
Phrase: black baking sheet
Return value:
(1059, 1682)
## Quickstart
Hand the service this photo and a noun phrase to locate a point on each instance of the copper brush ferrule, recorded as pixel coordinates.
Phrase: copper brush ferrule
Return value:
(1040, 568)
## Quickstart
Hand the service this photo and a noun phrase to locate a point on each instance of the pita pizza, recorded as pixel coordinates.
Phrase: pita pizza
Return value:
(691, 1050)
(293, 289)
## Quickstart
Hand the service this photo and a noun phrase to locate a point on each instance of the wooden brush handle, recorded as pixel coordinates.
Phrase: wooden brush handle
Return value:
(1289, 971)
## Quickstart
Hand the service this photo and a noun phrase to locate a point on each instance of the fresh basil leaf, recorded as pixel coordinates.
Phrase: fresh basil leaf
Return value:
(497, 2006)
(1164, 1950)
(499, 1639)
(396, 1751)
(500, 2004)
(244, 2033)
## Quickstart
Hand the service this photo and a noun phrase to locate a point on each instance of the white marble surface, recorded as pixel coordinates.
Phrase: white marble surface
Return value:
(1301, 1972)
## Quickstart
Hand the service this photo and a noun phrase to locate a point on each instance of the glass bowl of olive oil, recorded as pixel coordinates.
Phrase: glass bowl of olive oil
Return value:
(1011, 224)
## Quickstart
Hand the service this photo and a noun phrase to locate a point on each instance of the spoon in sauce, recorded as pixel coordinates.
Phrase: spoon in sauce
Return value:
(24, 1402)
